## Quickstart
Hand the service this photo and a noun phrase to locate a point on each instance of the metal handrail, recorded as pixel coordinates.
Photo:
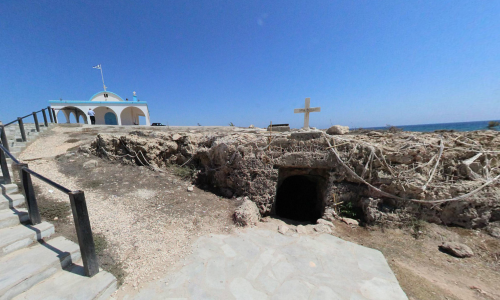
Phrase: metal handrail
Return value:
(9, 154)
(10, 123)
(48, 181)
(78, 207)
(53, 119)
(32, 114)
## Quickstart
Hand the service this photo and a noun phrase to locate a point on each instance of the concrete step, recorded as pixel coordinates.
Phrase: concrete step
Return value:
(16, 148)
(24, 268)
(11, 201)
(72, 284)
(10, 188)
(21, 236)
(9, 218)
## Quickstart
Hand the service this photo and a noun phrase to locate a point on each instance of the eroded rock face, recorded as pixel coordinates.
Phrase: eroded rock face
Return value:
(246, 164)
(247, 214)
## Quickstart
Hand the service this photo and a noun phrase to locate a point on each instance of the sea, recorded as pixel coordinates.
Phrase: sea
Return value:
(460, 126)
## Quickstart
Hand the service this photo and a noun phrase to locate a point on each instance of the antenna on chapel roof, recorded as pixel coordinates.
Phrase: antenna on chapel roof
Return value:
(100, 68)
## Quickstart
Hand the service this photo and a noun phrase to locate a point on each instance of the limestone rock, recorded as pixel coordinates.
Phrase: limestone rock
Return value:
(329, 215)
(306, 135)
(350, 221)
(370, 210)
(190, 189)
(283, 229)
(337, 130)
(301, 229)
(176, 137)
(85, 149)
(494, 229)
(247, 213)
(251, 126)
(90, 164)
(325, 222)
(456, 249)
(322, 228)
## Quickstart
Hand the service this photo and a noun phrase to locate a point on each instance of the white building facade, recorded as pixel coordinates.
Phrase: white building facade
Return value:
(109, 108)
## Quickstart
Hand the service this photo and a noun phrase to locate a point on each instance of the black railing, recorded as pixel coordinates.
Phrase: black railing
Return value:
(19, 120)
(78, 207)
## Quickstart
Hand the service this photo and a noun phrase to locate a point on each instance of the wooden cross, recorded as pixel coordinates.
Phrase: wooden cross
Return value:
(306, 110)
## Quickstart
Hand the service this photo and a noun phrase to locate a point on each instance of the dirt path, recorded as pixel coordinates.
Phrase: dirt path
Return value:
(148, 219)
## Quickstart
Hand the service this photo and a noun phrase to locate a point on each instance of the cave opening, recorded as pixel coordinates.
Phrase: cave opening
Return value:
(299, 198)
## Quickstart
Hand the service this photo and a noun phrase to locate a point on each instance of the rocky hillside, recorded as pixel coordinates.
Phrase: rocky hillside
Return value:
(445, 178)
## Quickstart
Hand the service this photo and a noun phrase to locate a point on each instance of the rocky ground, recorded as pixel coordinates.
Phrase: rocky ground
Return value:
(149, 217)
(147, 220)
(444, 178)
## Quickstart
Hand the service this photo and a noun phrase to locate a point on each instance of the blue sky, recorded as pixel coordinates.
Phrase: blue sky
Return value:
(366, 63)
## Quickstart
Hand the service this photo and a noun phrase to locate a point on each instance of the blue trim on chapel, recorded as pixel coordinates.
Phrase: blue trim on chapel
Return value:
(98, 102)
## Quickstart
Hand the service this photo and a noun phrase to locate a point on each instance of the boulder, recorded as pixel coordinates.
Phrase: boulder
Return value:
(247, 213)
(494, 229)
(350, 221)
(90, 164)
(301, 229)
(456, 249)
(325, 222)
(283, 229)
(322, 228)
(337, 130)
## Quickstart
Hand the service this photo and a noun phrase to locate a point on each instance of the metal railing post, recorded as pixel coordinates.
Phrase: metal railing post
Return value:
(5, 168)
(3, 138)
(45, 118)
(29, 194)
(54, 113)
(21, 128)
(37, 126)
(84, 233)
(50, 114)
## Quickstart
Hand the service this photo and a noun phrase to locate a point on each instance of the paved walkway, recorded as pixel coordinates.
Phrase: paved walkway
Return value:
(262, 264)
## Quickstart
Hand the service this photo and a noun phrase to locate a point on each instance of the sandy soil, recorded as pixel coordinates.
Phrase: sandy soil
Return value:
(148, 219)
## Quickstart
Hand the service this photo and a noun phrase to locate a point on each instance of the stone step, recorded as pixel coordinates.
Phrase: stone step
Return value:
(9, 218)
(11, 201)
(21, 236)
(22, 269)
(72, 284)
(10, 188)
(16, 149)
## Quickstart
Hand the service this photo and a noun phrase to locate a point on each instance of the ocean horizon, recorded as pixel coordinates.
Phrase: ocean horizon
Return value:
(457, 126)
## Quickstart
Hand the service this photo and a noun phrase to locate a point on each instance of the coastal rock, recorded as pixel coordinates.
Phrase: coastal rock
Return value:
(90, 164)
(322, 228)
(283, 229)
(456, 249)
(350, 221)
(247, 213)
(494, 229)
(337, 130)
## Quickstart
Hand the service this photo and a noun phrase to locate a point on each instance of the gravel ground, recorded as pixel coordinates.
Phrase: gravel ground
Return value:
(150, 223)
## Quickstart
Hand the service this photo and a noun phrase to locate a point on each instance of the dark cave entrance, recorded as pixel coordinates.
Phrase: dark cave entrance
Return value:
(300, 198)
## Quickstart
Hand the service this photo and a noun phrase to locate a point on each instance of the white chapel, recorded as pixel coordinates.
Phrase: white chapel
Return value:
(109, 108)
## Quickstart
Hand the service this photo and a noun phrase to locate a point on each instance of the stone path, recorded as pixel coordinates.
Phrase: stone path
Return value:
(262, 264)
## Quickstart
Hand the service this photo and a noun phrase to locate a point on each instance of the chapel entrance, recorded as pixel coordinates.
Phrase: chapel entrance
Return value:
(110, 119)
(300, 194)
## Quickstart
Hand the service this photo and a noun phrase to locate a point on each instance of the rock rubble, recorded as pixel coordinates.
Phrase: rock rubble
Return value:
(424, 166)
